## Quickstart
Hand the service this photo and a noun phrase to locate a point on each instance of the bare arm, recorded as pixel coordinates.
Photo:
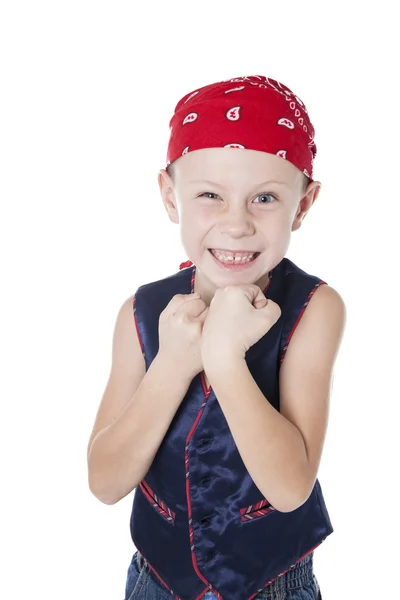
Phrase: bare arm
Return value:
(122, 453)
(134, 415)
(282, 449)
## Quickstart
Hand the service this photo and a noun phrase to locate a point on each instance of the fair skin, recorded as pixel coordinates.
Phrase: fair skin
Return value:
(281, 449)
(240, 218)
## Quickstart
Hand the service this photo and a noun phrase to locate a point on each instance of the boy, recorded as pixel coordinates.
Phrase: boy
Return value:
(209, 411)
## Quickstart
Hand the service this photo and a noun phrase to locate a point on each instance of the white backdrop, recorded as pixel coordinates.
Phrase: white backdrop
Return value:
(87, 90)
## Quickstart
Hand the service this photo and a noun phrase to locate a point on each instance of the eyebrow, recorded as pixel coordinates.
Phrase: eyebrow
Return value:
(222, 187)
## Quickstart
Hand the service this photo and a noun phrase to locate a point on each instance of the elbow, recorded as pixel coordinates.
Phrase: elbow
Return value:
(298, 494)
(104, 498)
(109, 501)
(103, 495)
(107, 495)
(99, 488)
(293, 500)
(290, 506)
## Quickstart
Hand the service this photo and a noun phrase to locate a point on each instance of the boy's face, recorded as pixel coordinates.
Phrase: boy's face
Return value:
(223, 202)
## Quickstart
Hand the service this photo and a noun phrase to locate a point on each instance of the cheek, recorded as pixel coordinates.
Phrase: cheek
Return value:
(194, 227)
(277, 230)
(190, 229)
(196, 220)
(282, 220)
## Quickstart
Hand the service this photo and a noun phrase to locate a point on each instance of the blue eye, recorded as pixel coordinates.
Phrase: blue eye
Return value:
(208, 194)
(266, 196)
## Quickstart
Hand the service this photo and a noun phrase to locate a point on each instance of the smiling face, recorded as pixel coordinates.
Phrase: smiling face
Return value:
(236, 210)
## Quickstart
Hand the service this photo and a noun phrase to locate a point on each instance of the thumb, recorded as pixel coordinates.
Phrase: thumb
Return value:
(202, 317)
(256, 297)
(272, 310)
(260, 303)
(253, 293)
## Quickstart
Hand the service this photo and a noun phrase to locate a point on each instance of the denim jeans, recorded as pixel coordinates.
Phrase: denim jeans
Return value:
(299, 583)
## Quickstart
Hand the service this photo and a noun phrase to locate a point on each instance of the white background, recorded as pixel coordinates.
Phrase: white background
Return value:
(87, 91)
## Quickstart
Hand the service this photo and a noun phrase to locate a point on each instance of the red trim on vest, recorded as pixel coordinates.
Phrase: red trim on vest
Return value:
(203, 593)
(158, 504)
(191, 534)
(206, 389)
(299, 317)
(159, 576)
(207, 589)
(256, 510)
(283, 572)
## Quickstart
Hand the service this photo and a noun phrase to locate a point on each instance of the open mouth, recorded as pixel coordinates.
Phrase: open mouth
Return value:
(233, 259)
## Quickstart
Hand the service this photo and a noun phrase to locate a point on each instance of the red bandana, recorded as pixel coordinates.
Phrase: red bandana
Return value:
(254, 113)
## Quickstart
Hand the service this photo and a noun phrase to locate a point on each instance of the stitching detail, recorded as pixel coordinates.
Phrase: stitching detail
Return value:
(142, 579)
(145, 578)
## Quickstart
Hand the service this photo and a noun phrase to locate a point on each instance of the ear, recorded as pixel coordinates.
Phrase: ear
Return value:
(168, 195)
(310, 196)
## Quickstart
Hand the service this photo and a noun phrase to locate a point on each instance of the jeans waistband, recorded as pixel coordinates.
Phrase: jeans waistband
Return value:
(299, 575)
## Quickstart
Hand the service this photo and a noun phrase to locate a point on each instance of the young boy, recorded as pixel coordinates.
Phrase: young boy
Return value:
(216, 408)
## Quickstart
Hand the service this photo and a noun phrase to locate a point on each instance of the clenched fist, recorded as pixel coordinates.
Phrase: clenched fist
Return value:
(180, 329)
(239, 315)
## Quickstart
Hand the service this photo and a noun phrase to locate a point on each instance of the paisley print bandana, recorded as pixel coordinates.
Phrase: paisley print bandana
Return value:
(252, 112)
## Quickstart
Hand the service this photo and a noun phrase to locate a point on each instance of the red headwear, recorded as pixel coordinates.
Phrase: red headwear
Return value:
(252, 112)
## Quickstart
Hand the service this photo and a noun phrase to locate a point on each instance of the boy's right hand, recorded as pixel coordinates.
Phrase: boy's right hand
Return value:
(179, 330)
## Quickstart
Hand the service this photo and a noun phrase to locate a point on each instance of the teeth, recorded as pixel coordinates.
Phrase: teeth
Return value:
(233, 258)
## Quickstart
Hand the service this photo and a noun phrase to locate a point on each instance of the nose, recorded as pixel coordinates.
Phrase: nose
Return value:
(236, 222)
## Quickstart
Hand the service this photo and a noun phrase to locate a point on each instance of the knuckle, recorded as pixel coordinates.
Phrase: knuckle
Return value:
(177, 298)
(234, 289)
(221, 290)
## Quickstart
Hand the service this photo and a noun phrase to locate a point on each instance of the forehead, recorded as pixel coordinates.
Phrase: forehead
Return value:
(235, 165)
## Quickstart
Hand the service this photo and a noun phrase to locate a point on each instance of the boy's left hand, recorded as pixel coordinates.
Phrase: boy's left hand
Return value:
(238, 316)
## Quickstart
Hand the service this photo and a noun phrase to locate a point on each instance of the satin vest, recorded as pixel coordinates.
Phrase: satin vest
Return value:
(198, 518)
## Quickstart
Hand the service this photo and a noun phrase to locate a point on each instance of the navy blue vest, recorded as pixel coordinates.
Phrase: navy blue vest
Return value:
(198, 518)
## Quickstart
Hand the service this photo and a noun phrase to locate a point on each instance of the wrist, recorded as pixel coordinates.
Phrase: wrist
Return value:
(222, 359)
(170, 366)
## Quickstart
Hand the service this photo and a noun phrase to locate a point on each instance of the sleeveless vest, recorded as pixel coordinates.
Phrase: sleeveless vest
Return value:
(198, 518)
